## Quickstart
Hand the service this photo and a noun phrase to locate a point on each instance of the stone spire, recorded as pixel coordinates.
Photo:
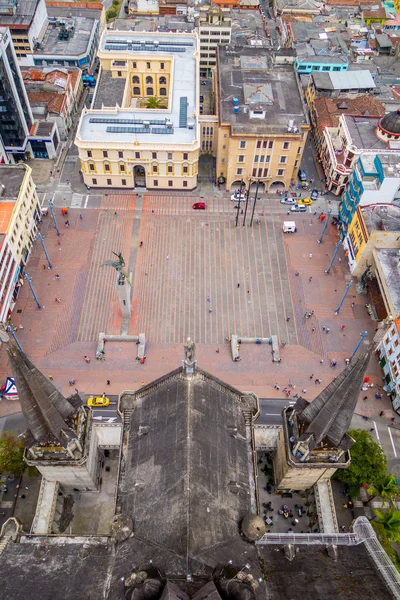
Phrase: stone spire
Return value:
(46, 410)
(328, 417)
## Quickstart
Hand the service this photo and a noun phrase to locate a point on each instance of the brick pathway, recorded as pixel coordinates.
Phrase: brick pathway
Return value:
(207, 256)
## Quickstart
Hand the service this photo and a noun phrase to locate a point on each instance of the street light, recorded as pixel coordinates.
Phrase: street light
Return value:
(339, 243)
(41, 238)
(325, 226)
(51, 209)
(29, 280)
(362, 336)
(348, 286)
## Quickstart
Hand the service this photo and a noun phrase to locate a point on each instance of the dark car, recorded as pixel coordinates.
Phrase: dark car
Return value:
(314, 195)
(199, 206)
(302, 175)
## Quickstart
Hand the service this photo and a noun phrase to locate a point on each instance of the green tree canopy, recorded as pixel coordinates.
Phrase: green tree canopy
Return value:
(390, 521)
(385, 488)
(368, 462)
(153, 102)
(11, 454)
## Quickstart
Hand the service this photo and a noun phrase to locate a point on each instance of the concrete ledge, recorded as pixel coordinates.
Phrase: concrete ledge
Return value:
(140, 340)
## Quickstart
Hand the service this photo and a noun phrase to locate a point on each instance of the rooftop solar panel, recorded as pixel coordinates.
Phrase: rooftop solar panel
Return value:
(183, 111)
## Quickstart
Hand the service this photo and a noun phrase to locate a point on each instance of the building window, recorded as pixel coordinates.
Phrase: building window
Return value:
(260, 172)
(270, 144)
(286, 146)
(265, 173)
(120, 154)
(169, 155)
(108, 181)
(170, 169)
(256, 158)
(149, 91)
(136, 91)
(299, 150)
(149, 80)
(91, 167)
(122, 168)
(163, 91)
(123, 181)
(185, 170)
(265, 144)
(137, 154)
(240, 158)
(154, 155)
(163, 80)
(155, 169)
(133, 65)
(135, 79)
(185, 184)
(89, 153)
(105, 154)
(262, 158)
(155, 183)
(170, 183)
(162, 66)
(254, 172)
(242, 145)
(185, 156)
(148, 66)
(119, 73)
(239, 171)
(282, 160)
(259, 144)
(106, 167)
(94, 181)
(280, 172)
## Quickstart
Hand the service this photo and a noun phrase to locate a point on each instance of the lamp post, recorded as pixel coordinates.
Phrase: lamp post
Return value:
(29, 280)
(339, 243)
(51, 209)
(362, 336)
(238, 206)
(41, 238)
(325, 226)
(348, 286)
(10, 330)
(247, 202)
(254, 204)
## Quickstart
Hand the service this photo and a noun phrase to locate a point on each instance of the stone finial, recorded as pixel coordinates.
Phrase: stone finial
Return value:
(189, 360)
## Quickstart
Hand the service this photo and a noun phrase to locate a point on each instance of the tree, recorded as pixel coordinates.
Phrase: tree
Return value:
(11, 454)
(153, 102)
(385, 488)
(368, 462)
(390, 521)
(111, 13)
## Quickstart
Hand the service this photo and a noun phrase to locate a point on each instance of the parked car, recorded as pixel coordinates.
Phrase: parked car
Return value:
(298, 208)
(314, 195)
(305, 201)
(235, 197)
(199, 206)
(302, 175)
(99, 401)
(288, 201)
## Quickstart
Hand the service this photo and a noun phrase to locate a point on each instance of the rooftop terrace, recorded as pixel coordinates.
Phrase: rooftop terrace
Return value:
(11, 178)
(74, 46)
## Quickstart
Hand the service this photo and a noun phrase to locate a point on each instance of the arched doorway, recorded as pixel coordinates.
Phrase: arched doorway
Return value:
(261, 187)
(235, 185)
(275, 186)
(139, 176)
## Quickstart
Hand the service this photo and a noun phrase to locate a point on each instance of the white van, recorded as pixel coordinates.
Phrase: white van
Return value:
(289, 227)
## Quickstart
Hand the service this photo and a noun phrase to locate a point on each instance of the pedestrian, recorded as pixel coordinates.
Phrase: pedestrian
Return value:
(310, 279)
(339, 259)
(315, 212)
(311, 313)
(372, 429)
(58, 299)
(327, 330)
(296, 273)
(287, 319)
(57, 277)
(210, 310)
(343, 327)
(310, 255)
(381, 413)
(392, 420)
(347, 361)
(321, 361)
(80, 216)
(208, 299)
(67, 182)
(167, 257)
(276, 386)
(312, 328)
(312, 375)
(141, 244)
(323, 327)
(108, 382)
(353, 304)
(44, 267)
(59, 242)
(217, 351)
(238, 285)
(343, 528)
(76, 391)
(304, 391)
(27, 487)
(365, 398)
(51, 377)
(152, 211)
(87, 359)
(115, 213)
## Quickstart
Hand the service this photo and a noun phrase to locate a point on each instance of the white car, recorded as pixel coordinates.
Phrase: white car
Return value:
(288, 201)
(236, 198)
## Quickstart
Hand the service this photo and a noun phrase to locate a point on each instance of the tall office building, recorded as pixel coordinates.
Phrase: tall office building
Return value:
(16, 117)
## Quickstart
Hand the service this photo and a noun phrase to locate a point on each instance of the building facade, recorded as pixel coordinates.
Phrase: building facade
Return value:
(26, 21)
(20, 211)
(143, 128)
(388, 352)
(262, 125)
(214, 26)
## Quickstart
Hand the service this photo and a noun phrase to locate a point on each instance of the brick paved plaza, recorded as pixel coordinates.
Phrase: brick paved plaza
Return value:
(187, 257)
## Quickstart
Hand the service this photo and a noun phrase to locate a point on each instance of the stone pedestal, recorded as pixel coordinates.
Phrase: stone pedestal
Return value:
(124, 295)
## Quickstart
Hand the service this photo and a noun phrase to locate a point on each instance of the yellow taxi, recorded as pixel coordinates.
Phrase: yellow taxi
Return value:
(305, 201)
(98, 401)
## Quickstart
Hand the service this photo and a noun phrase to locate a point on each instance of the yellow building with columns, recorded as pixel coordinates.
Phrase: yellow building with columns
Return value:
(142, 130)
(262, 123)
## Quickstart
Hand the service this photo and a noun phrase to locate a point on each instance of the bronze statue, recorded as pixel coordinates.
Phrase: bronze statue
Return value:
(118, 265)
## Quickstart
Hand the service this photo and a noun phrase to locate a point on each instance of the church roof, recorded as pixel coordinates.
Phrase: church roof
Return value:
(330, 414)
(44, 407)
(185, 480)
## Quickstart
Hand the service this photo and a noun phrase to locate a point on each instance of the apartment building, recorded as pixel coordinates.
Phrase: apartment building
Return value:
(262, 124)
(19, 213)
(214, 26)
(26, 20)
(143, 129)
(388, 352)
